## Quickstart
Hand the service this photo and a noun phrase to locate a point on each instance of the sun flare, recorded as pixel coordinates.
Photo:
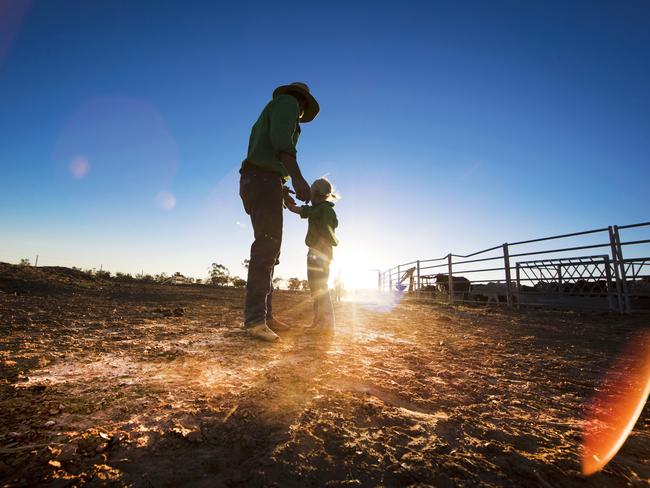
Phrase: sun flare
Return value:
(353, 270)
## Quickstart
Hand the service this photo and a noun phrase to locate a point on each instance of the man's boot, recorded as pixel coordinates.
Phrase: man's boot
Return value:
(262, 332)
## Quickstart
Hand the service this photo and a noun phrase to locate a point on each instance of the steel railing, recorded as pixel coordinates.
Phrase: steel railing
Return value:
(606, 278)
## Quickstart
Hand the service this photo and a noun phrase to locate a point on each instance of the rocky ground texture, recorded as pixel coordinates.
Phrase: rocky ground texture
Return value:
(105, 383)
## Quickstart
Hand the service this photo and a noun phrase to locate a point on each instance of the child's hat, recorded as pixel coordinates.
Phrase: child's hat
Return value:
(323, 187)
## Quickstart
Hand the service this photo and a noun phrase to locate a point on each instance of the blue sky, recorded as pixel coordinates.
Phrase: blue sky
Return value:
(444, 125)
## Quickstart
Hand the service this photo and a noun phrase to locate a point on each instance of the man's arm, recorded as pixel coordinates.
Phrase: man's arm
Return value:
(297, 181)
(284, 117)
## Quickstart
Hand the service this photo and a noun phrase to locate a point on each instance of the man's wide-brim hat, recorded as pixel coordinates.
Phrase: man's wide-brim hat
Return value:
(312, 108)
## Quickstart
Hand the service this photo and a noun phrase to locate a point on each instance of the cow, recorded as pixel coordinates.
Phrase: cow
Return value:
(461, 284)
(639, 286)
(546, 287)
(585, 288)
(639, 290)
(490, 292)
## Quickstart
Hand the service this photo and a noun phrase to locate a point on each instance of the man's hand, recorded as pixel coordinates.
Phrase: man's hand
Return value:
(302, 189)
(299, 184)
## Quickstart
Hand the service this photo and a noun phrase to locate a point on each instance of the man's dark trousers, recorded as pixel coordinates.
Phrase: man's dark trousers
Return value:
(261, 194)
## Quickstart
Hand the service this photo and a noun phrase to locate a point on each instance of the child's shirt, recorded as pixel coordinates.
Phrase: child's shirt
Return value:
(322, 222)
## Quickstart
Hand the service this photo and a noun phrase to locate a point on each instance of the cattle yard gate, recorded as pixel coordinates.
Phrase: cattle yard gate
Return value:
(604, 269)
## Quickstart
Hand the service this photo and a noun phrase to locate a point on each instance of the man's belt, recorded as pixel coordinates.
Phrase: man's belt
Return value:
(248, 166)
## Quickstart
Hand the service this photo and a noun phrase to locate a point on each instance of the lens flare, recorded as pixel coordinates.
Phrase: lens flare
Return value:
(79, 167)
(614, 410)
(375, 301)
(165, 200)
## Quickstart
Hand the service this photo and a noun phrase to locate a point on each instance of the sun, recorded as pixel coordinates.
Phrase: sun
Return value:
(354, 271)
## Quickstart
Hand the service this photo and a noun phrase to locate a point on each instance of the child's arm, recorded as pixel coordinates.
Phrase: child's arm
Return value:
(289, 202)
(293, 207)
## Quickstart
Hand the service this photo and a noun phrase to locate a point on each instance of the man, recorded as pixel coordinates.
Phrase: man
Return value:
(271, 160)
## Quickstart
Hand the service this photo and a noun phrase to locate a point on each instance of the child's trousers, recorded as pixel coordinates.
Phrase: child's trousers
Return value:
(318, 272)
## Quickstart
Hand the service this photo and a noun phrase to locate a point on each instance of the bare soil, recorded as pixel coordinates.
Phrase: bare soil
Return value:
(105, 383)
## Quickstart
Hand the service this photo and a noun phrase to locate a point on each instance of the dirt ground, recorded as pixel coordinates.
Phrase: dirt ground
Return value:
(104, 383)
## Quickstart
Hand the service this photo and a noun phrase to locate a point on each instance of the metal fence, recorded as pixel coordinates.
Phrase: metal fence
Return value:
(600, 269)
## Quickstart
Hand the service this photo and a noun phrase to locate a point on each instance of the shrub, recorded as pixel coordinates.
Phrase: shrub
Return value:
(125, 277)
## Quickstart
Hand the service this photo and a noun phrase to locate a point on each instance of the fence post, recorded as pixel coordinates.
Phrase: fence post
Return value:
(559, 279)
(450, 282)
(379, 280)
(617, 275)
(390, 280)
(399, 275)
(518, 275)
(621, 263)
(506, 265)
(417, 280)
(610, 292)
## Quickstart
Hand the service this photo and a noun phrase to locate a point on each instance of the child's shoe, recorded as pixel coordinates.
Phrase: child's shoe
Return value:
(277, 325)
(321, 327)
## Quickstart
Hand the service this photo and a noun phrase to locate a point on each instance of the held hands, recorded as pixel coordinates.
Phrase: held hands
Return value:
(289, 202)
(299, 184)
(286, 196)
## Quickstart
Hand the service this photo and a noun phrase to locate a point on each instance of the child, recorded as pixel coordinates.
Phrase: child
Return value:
(320, 239)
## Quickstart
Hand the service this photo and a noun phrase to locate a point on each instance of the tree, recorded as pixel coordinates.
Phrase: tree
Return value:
(294, 284)
(304, 285)
(123, 277)
(277, 282)
(246, 263)
(219, 275)
(24, 262)
(238, 282)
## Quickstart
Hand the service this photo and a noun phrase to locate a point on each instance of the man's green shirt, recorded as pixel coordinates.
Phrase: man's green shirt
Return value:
(322, 222)
(276, 130)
